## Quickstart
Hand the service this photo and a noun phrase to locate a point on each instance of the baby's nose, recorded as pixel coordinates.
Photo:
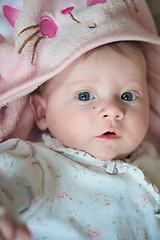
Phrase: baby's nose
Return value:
(112, 110)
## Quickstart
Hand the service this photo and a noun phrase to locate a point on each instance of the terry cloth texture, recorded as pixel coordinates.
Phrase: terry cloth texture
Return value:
(48, 35)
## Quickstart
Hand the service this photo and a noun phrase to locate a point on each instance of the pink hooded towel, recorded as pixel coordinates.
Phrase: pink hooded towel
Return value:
(41, 38)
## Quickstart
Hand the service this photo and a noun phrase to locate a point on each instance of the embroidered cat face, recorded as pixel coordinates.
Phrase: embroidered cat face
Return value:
(49, 28)
(48, 25)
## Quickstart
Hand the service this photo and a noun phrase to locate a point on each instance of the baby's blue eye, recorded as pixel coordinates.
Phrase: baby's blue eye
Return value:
(85, 96)
(128, 96)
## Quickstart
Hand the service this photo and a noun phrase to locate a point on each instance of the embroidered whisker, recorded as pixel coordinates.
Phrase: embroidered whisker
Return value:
(35, 45)
(27, 40)
(28, 28)
(74, 18)
(95, 25)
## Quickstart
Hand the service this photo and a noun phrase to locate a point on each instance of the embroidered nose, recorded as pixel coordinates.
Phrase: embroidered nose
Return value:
(48, 27)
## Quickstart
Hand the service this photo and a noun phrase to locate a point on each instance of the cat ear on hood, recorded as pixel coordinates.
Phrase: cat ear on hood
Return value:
(9, 13)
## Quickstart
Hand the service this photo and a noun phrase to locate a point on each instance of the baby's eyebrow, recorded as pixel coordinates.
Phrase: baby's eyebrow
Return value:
(135, 85)
(81, 82)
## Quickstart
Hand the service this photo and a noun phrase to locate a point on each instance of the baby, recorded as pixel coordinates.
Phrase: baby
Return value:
(98, 103)
(84, 181)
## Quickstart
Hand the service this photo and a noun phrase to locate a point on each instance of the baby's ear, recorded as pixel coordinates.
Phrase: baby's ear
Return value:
(38, 105)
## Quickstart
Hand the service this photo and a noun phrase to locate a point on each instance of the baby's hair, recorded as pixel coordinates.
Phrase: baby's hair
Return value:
(122, 47)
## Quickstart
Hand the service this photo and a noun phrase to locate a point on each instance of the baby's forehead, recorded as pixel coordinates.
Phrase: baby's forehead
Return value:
(130, 50)
(125, 48)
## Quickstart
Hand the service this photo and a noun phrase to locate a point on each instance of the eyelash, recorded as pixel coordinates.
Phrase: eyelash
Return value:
(129, 96)
(83, 95)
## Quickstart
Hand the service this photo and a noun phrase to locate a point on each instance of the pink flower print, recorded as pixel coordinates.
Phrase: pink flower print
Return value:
(49, 168)
(31, 230)
(145, 236)
(63, 195)
(72, 219)
(145, 198)
(94, 2)
(135, 196)
(107, 202)
(39, 220)
(93, 233)
(2, 171)
(34, 202)
(137, 205)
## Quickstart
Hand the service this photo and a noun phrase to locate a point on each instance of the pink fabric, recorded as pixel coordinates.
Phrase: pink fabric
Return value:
(49, 35)
(16, 120)
(94, 2)
(67, 10)
(11, 14)
(2, 39)
(48, 27)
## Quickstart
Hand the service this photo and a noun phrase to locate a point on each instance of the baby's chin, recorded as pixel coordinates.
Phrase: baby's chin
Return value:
(111, 156)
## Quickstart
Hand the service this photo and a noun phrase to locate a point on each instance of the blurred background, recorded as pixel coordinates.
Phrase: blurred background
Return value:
(155, 9)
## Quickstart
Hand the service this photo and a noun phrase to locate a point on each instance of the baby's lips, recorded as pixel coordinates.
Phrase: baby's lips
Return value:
(111, 134)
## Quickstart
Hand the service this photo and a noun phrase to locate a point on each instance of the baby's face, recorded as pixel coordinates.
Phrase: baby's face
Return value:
(99, 104)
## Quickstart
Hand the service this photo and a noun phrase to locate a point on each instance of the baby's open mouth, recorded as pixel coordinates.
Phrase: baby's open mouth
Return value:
(110, 135)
